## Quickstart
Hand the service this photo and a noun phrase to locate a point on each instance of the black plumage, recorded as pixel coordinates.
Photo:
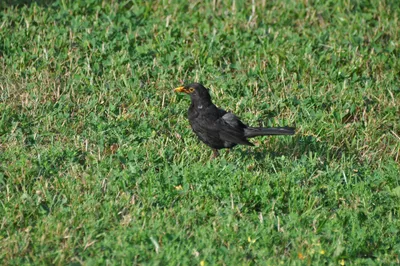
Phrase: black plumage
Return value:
(217, 128)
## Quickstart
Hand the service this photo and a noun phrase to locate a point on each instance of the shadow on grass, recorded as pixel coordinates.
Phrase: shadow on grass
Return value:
(299, 146)
(18, 3)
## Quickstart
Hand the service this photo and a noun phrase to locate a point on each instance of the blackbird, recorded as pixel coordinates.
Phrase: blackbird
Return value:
(218, 128)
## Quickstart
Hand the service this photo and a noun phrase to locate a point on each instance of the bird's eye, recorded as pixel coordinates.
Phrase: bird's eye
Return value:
(190, 90)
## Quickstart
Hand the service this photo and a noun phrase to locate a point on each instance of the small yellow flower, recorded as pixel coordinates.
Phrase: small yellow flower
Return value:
(341, 262)
(322, 252)
(202, 263)
(251, 240)
(300, 255)
(178, 187)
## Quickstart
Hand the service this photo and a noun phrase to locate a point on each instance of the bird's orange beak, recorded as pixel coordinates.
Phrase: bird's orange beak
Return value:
(180, 89)
(183, 89)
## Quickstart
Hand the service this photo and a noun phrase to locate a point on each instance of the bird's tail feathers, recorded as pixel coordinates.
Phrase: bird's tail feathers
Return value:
(265, 131)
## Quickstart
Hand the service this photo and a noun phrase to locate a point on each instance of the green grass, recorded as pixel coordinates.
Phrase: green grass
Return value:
(98, 164)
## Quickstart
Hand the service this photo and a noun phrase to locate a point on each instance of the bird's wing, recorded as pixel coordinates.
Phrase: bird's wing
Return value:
(232, 120)
(219, 125)
(231, 129)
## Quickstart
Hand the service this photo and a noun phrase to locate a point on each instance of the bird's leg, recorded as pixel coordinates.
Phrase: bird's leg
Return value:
(215, 154)
(228, 151)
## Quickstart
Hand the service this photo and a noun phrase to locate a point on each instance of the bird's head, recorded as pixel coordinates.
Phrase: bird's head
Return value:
(196, 91)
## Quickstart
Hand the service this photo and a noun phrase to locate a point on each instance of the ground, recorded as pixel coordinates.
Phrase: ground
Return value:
(98, 164)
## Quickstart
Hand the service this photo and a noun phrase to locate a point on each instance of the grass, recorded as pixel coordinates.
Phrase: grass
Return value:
(98, 164)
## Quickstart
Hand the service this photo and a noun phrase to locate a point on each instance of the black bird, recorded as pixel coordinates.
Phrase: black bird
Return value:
(218, 128)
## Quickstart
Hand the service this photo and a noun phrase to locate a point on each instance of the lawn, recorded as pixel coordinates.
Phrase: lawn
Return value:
(99, 166)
